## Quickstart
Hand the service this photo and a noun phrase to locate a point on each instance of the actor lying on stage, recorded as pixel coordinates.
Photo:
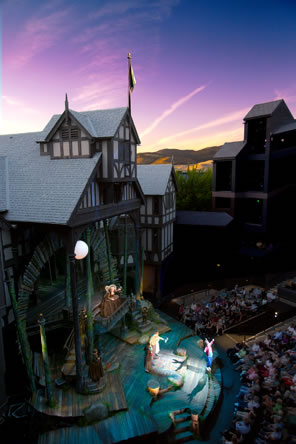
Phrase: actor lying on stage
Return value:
(154, 342)
(209, 352)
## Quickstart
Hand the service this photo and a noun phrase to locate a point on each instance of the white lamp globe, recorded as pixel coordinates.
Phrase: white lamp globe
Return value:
(81, 250)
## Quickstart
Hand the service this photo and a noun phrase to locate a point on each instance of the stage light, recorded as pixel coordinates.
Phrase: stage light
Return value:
(218, 265)
(81, 250)
(275, 314)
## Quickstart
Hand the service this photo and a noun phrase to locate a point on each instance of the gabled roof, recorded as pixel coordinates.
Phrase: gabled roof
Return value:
(229, 150)
(263, 109)
(203, 218)
(285, 128)
(154, 178)
(4, 189)
(99, 124)
(42, 190)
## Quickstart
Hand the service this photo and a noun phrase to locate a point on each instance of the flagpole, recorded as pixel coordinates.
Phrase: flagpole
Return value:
(129, 89)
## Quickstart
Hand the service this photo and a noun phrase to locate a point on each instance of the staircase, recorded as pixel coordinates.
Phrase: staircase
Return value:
(182, 426)
(138, 320)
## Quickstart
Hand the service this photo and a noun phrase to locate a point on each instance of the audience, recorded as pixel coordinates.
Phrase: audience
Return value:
(223, 310)
(266, 403)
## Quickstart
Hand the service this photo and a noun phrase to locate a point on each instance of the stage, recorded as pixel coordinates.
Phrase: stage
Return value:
(191, 388)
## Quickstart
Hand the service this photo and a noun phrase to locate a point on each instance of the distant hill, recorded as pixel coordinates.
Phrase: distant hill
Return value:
(181, 157)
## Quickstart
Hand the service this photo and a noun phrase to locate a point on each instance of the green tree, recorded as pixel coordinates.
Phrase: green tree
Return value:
(195, 190)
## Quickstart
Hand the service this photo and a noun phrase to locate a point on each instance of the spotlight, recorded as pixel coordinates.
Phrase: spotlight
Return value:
(275, 314)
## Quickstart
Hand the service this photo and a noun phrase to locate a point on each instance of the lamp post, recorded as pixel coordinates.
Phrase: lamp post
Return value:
(80, 252)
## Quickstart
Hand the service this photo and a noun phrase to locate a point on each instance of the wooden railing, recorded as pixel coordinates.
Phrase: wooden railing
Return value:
(107, 323)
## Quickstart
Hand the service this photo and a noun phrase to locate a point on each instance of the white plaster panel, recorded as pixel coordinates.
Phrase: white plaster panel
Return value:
(115, 149)
(105, 158)
(75, 148)
(66, 148)
(84, 147)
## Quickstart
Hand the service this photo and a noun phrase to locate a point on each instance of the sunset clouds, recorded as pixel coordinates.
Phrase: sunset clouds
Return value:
(199, 67)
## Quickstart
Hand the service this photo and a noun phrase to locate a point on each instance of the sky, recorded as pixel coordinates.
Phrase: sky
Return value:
(199, 65)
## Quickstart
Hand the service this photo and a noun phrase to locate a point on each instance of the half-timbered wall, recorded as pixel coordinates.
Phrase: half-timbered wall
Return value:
(124, 155)
(69, 141)
(105, 193)
(157, 218)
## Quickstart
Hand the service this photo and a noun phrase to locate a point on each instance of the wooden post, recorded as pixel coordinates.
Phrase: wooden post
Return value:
(108, 251)
(89, 296)
(125, 257)
(51, 401)
(23, 340)
(128, 82)
(68, 285)
(137, 258)
(76, 322)
(142, 272)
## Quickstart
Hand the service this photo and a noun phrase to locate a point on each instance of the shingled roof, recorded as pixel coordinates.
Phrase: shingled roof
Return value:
(263, 109)
(99, 124)
(285, 128)
(229, 150)
(4, 195)
(203, 218)
(154, 178)
(42, 190)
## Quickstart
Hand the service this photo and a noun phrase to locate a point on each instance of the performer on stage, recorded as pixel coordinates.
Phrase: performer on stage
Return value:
(95, 371)
(111, 300)
(154, 342)
(148, 358)
(209, 352)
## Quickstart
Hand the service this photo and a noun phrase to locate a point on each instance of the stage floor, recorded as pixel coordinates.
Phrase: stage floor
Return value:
(199, 392)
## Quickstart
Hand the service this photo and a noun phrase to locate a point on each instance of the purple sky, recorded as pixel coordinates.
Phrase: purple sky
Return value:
(199, 65)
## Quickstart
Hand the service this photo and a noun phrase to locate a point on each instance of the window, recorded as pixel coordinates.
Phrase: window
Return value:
(156, 205)
(223, 202)
(74, 133)
(123, 152)
(169, 200)
(154, 239)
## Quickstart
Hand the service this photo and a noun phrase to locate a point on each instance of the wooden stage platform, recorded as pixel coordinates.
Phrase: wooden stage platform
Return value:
(72, 404)
(200, 391)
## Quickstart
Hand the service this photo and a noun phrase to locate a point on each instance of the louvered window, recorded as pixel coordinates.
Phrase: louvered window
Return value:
(65, 133)
(74, 133)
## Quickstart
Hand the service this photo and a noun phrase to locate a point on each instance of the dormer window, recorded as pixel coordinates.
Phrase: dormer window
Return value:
(66, 133)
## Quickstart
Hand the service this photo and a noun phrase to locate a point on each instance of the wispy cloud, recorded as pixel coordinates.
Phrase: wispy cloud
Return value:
(232, 117)
(11, 102)
(212, 139)
(38, 35)
(171, 109)
(157, 9)
(288, 94)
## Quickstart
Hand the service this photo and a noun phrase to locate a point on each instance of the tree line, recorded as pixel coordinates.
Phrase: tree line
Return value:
(194, 190)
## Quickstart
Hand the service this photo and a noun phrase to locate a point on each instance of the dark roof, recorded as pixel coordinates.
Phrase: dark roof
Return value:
(285, 128)
(154, 178)
(42, 190)
(4, 195)
(99, 124)
(229, 150)
(263, 109)
(203, 218)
